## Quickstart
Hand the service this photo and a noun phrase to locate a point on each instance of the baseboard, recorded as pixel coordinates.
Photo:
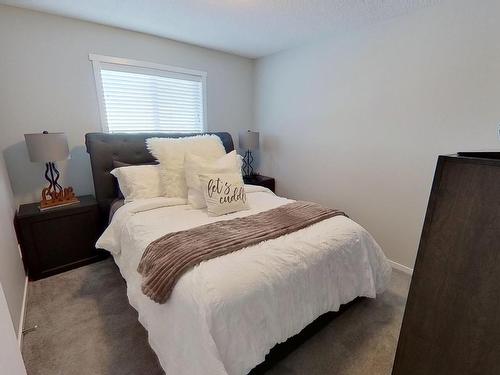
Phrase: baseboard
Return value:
(23, 314)
(400, 267)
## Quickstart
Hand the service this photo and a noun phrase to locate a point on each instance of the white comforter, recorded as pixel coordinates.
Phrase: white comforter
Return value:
(225, 314)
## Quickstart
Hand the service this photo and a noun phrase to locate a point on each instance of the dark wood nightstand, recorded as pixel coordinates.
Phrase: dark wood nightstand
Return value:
(59, 239)
(260, 180)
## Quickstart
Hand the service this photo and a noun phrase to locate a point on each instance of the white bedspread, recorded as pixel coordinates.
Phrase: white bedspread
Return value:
(225, 314)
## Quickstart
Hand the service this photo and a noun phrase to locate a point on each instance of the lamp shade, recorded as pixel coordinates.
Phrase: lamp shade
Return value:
(47, 147)
(249, 140)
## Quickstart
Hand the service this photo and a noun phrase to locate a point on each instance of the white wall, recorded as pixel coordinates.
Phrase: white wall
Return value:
(47, 84)
(354, 121)
(12, 276)
(357, 121)
(11, 361)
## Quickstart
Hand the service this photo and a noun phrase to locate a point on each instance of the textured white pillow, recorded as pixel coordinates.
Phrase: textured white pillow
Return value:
(138, 181)
(224, 193)
(170, 152)
(195, 165)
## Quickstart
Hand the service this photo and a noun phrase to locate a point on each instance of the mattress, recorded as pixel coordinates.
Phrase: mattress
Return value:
(225, 314)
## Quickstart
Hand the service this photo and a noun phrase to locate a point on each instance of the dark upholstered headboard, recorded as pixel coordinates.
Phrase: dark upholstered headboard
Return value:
(104, 148)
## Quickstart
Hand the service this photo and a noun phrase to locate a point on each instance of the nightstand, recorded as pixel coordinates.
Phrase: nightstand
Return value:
(260, 180)
(59, 239)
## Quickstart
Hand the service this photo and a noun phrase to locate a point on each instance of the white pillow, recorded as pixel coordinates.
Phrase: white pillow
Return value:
(224, 193)
(138, 181)
(170, 153)
(195, 165)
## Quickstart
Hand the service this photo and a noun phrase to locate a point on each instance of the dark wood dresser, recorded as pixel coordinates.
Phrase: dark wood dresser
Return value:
(59, 239)
(451, 324)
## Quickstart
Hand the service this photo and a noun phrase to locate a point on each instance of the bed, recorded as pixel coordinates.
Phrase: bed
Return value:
(225, 314)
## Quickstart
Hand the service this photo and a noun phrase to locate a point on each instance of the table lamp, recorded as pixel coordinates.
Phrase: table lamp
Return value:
(48, 148)
(248, 141)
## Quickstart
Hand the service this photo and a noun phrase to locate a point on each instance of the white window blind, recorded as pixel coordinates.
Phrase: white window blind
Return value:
(145, 97)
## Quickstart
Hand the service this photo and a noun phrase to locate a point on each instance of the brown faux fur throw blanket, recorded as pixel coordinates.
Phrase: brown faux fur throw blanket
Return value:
(166, 259)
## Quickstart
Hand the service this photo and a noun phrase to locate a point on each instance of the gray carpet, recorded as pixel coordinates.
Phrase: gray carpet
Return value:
(86, 326)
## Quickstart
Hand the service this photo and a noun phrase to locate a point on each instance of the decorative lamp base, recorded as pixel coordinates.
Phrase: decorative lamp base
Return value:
(247, 164)
(54, 195)
(54, 199)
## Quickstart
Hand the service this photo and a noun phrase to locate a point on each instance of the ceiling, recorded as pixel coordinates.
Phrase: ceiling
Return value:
(251, 28)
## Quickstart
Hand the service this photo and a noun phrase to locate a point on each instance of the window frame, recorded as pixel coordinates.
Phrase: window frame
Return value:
(99, 61)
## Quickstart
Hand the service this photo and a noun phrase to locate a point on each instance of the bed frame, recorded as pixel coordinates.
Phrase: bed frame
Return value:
(105, 148)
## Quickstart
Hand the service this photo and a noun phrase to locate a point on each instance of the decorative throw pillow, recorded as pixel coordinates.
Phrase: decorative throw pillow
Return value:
(195, 165)
(224, 193)
(138, 181)
(170, 152)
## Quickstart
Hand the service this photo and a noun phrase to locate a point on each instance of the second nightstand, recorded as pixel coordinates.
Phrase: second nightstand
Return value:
(260, 180)
(59, 239)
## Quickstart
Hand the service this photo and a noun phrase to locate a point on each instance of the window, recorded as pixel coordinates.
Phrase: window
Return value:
(136, 96)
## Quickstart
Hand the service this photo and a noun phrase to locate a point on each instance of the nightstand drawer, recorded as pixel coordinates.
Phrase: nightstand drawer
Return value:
(66, 239)
(58, 240)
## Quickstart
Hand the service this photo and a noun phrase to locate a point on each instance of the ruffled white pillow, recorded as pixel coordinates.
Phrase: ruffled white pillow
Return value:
(138, 181)
(195, 165)
(170, 152)
(224, 193)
